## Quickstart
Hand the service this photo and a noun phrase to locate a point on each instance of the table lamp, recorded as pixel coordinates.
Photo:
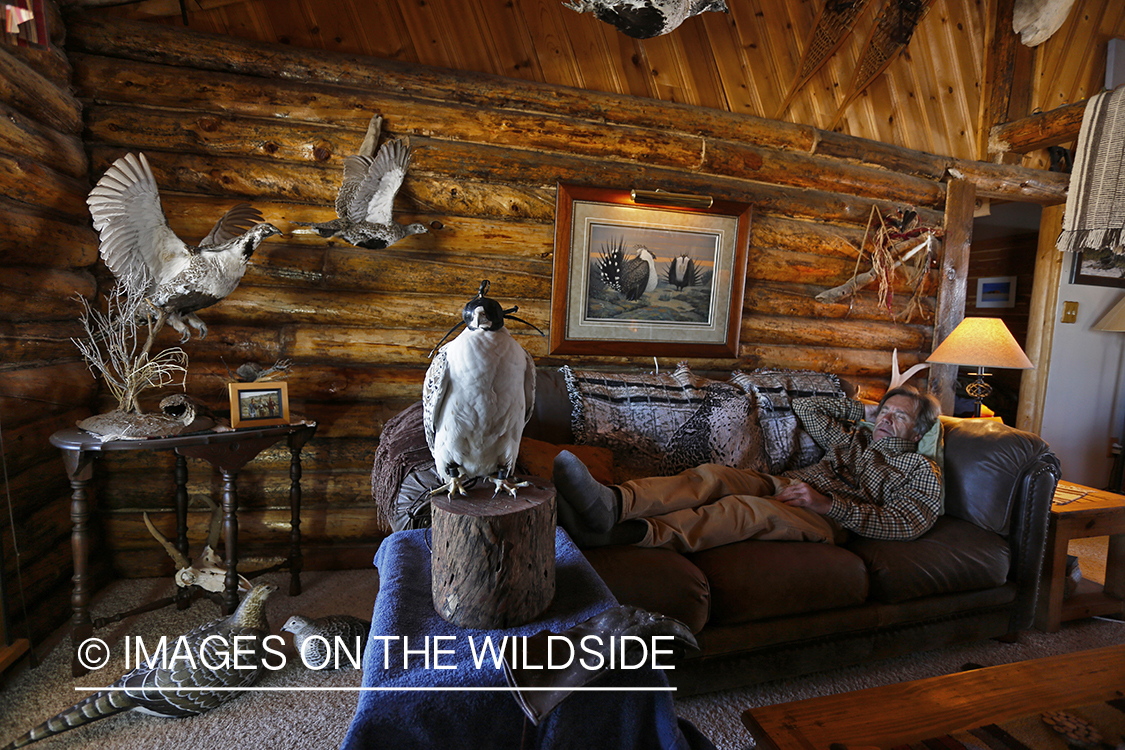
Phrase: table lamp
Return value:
(981, 343)
(1114, 320)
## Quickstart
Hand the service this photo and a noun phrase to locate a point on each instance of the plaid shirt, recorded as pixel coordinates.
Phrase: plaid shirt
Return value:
(882, 489)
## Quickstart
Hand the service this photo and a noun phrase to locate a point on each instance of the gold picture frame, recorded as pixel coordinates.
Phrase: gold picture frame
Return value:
(259, 404)
(599, 233)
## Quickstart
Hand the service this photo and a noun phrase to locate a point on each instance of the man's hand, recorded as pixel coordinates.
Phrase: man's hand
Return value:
(803, 495)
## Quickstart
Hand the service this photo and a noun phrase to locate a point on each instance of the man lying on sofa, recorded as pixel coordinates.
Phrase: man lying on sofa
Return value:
(872, 482)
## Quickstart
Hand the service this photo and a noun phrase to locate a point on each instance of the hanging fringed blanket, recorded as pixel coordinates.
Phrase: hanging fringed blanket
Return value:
(1095, 205)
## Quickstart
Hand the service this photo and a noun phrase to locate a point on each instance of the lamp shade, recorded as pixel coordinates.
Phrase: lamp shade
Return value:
(981, 342)
(1114, 320)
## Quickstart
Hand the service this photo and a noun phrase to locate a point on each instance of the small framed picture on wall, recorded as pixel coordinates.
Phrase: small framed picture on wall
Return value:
(996, 291)
(259, 404)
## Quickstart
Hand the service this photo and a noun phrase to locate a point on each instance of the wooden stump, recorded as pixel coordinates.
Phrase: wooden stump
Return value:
(494, 557)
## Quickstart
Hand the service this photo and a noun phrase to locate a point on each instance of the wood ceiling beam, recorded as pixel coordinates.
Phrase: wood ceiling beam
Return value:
(1043, 129)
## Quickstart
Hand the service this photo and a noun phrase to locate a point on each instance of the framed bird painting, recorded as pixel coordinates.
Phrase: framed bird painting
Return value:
(259, 404)
(647, 273)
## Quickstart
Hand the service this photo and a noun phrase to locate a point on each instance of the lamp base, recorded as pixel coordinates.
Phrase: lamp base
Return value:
(978, 389)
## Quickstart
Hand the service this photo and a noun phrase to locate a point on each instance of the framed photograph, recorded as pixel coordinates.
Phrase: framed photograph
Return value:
(1098, 268)
(259, 404)
(649, 279)
(996, 291)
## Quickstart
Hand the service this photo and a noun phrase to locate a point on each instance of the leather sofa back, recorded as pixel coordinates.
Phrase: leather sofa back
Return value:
(985, 462)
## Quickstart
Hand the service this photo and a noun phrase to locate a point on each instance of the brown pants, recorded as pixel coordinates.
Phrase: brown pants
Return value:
(712, 505)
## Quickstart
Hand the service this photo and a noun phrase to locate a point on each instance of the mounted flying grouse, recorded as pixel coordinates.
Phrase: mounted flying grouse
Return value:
(187, 687)
(643, 19)
(478, 395)
(365, 199)
(143, 253)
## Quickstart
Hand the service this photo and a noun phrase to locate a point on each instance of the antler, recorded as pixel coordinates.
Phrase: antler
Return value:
(177, 557)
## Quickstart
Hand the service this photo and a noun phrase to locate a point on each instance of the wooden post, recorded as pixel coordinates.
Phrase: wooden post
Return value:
(959, 206)
(494, 557)
(1041, 322)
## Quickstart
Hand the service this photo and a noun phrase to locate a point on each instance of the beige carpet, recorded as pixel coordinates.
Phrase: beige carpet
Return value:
(314, 720)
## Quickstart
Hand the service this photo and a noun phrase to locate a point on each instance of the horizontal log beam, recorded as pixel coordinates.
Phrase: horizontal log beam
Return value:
(163, 45)
(28, 230)
(24, 136)
(39, 186)
(207, 133)
(1043, 129)
(23, 344)
(30, 393)
(799, 301)
(26, 91)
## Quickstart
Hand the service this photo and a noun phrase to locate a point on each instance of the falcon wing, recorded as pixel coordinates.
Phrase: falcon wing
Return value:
(234, 223)
(434, 390)
(348, 205)
(136, 242)
(375, 196)
(528, 387)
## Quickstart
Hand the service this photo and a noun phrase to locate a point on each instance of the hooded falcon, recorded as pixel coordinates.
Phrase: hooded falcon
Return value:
(477, 397)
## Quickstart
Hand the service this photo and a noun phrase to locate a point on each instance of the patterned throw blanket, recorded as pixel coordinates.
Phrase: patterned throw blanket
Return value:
(1095, 205)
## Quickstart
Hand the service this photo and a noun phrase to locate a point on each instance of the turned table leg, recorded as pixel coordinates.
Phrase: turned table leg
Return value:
(79, 468)
(230, 530)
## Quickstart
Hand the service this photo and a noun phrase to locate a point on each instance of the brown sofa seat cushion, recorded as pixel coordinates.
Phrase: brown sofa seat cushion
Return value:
(657, 580)
(953, 556)
(754, 580)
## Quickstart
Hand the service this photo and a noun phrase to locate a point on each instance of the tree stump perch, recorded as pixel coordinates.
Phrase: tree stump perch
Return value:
(494, 557)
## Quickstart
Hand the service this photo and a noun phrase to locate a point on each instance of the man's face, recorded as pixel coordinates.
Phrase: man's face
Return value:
(896, 418)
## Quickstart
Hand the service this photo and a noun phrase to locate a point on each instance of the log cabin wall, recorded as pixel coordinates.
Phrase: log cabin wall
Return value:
(47, 250)
(223, 120)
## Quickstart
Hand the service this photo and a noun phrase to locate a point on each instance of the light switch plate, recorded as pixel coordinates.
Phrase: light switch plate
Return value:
(1070, 312)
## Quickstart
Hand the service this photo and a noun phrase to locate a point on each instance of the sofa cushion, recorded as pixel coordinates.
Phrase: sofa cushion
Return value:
(754, 580)
(658, 580)
(658, 425)
(537, 458)
(984, 466)
(953, 556)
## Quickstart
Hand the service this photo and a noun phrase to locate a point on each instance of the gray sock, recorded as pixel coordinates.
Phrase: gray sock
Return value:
(596, 507)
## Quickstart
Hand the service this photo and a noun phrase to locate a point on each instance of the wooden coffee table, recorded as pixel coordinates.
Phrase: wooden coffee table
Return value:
(891, 715)
(1080, 512)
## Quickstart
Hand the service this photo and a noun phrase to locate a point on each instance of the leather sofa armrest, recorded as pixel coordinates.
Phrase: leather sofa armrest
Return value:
(1028, 536)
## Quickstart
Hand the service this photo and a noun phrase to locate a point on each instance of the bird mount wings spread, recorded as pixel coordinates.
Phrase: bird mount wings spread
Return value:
(234, 223)
(374, 196)
(434, 389)
(136, 241)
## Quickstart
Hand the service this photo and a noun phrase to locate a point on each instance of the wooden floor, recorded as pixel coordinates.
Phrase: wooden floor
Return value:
(891, 715)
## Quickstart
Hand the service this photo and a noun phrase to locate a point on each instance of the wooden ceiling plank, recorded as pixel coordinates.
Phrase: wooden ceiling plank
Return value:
(738, 90)
(510, 41)
(428, 39)
(465, 33)
(246, 21)
(751, 19)
(592, 52)
(384, 30)
(632, 61)
(552, 46)
(700, 63)
(666, 71)
(965, 48)
(337, 26)
(291, 23)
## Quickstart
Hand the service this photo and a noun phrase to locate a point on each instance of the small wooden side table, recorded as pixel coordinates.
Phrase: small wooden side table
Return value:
(227, 451)
(1079, 512)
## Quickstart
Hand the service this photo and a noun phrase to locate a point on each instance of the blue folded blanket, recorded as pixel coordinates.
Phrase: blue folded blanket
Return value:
(437, 700)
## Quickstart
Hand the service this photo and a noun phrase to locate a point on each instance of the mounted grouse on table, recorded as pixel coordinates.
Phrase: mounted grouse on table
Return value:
(144, 253)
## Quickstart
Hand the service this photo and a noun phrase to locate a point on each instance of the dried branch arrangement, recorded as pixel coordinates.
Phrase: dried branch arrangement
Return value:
(112, 348)
(898, 240)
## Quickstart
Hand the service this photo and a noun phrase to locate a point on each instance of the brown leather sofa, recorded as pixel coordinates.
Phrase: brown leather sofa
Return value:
(765, 610)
